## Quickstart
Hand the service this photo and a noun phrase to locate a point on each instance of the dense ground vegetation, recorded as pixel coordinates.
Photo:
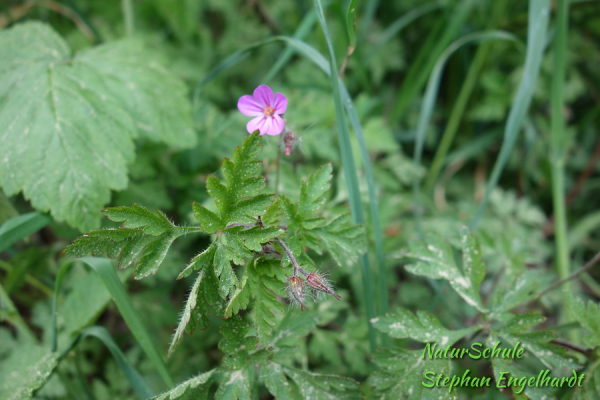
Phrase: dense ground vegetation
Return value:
(440, 192)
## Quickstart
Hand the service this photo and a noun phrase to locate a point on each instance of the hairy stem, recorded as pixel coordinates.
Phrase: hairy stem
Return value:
(290, 255)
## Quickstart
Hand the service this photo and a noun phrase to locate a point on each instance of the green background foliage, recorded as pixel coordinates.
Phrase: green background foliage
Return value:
(443, 175)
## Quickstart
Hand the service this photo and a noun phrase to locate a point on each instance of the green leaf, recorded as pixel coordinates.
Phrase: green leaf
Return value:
(314, 190)
(235, 385)
(154, 97)
(70, 122)
(401, 374)
(239, 299)
(266, 305)
(138, 384)
(538, 344)
(19, 378)
(343, 240)
(84, 303)
(241, 182)
(514, 291)
(294, 325)
(322, 387)
(276, 381)
(248, 209)
(107, 273)
(145, 234)
(435, 260)
(209, 221)
(191, 389)
(424, 327)
(227, 278)
(254, 237)
(588, 317)
(136, 216)
(591, 384)
(502, 369)
(522, 322)
(233, 336)
(193, 311)
(200, 261)
(20, 227)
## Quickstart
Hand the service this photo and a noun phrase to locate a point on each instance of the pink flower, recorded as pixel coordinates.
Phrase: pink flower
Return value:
(266, 108)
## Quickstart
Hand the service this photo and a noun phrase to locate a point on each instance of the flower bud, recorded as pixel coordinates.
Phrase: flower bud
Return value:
(318, 282)
(290, 140)
(295, 290)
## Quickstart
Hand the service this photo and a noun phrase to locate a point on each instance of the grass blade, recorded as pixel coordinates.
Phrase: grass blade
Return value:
(106, 270)
(460, 105)
(351, 23)
(20, 227)
(305, 27)
(429, 103)
(429, 53)
(11, 314)
(349, 167)
(138, 384)
(400, 24)
(536, 40)
(558, 140)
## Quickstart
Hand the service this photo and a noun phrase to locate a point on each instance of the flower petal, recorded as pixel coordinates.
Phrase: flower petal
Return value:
(263, 95)
(257, 124)
(275, 126)
(280, 103)
(248, 106)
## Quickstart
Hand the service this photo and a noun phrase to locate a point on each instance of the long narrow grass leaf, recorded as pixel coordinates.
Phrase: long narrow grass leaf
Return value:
(20, 227)
(106, 270)
(10, 312)
(138, 384)
(429, 53)
(349, 167)
(305, 27)
(398, 25)
(539, 11)
(460, 105)
(351, 23)
(429, 103)
(558, 140)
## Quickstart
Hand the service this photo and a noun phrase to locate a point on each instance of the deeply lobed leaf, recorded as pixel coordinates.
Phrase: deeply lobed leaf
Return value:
(435, 260)
(145, 236)
(423, 327)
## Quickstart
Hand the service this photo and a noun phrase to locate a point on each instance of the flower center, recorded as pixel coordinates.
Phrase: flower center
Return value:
(269, 111)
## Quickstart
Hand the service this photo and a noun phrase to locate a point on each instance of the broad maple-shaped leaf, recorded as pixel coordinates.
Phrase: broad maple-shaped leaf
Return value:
(68, 122)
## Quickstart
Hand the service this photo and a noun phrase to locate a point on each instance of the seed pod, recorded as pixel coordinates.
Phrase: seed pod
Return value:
(295, 290)
(318, 282)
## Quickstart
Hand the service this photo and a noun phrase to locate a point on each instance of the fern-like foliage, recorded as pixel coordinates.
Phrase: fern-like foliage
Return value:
(242, 267)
